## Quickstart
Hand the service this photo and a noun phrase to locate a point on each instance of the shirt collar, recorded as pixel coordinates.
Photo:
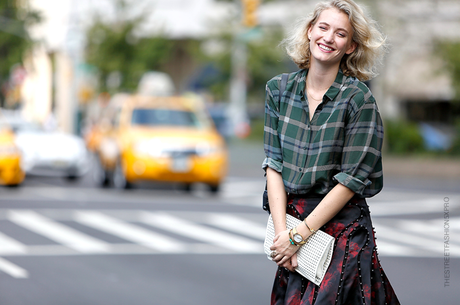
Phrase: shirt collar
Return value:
(332, 92)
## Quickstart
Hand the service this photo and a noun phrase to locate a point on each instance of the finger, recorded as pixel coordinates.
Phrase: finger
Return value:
(288, 266)
(283, 260)
(294, 261)
(278, 258)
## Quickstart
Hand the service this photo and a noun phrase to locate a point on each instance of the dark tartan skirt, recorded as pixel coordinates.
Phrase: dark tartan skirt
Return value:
(354, 276)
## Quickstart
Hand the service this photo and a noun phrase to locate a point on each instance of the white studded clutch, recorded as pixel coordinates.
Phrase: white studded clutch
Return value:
(313, 258)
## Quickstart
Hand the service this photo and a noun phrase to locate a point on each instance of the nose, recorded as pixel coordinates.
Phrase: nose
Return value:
(329, 37)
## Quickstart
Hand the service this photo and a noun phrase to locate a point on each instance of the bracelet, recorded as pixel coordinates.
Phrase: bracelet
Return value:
(313, 231)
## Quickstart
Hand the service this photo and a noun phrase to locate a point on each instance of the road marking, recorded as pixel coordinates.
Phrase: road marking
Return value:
(129, 232)
(210, 233)
(186, 228)
(58, 232)
(234, 191)
(389, 248)
(10, 245)
(12, 269)
(239, 189)
(400, 207)
(236, 224)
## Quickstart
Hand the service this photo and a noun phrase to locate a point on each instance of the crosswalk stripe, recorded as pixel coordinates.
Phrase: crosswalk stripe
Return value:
(237, 224)
(420, 243)
(191, 230)
(390, 248)
(396, 206)
(454, 223)
(12, 269)
(433, 228)
(58, 232)
(10, 245)
(128, 231)
(215, 232)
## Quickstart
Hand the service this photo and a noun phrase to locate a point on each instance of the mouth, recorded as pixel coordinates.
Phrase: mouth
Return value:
(325, 48)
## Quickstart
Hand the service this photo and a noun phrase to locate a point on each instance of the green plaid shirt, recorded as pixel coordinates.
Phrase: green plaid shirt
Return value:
(341, 144)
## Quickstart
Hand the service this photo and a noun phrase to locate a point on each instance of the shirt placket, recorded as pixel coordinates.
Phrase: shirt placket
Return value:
(305, 139)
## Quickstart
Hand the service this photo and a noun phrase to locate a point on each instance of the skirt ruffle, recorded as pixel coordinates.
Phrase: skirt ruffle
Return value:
(354, 276)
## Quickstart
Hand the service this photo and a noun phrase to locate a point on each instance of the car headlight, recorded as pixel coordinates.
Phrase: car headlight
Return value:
(205, 148)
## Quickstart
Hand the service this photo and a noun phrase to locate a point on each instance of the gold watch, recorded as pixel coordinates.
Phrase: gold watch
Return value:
(297, 238)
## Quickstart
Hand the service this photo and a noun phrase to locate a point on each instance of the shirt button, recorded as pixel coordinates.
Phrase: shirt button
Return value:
(300, 169)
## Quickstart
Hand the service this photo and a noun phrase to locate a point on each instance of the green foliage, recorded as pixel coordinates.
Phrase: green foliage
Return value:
(257, 130)
(113, 47)
(449, 52)
(403, 137)
(14, 37)
(265, 60)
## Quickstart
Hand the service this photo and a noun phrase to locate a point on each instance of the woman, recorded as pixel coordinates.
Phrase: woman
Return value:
(323, 139)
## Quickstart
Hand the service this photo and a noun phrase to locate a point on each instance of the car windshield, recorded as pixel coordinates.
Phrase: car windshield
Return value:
(164, 117)
(26, 127)
(19, 126)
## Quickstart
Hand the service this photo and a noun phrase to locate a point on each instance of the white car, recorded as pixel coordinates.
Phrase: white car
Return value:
(50, 153)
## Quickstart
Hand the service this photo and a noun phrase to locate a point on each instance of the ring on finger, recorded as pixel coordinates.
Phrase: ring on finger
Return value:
(273, 254)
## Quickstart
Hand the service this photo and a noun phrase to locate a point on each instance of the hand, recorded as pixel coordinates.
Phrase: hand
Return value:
(291, 263)
(284, 250)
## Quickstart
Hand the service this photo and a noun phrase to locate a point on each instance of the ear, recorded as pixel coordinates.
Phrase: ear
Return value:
(352, 48)
(309, 33)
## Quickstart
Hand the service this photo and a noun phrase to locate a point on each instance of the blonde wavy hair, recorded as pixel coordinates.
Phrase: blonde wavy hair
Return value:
(371, 45)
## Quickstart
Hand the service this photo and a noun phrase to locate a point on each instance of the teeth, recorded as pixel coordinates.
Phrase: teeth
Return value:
(325, 48)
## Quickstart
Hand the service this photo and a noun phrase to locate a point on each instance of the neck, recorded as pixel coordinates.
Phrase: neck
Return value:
(320, 78)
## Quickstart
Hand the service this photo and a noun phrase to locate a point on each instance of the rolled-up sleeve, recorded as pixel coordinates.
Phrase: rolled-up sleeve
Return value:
(361, 155)
(272, 146)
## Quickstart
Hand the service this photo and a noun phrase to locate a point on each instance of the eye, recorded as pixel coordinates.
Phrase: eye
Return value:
(322, 28)
(341, 34)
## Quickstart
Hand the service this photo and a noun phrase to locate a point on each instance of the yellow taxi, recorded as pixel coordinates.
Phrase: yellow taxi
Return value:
(11, 173)
(168, 139)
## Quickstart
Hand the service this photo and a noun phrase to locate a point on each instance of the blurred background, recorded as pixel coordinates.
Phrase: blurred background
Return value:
(75, 136)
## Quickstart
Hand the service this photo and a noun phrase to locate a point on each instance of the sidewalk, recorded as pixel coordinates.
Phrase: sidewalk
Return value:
(433, 167)
(246, 160)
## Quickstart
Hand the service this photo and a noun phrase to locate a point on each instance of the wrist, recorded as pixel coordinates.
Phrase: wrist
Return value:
(312, 231)
(302, 229)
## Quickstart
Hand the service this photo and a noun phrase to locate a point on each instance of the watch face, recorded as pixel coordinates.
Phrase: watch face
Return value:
(297, 238)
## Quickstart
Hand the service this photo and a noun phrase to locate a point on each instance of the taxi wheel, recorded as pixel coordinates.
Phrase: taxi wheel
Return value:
(72, 178)
(214, 188)
(13, 185)
(187, 187)
(100, 175)
(119, 179)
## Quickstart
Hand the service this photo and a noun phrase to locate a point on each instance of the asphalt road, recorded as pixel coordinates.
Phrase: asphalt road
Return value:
(72, 243)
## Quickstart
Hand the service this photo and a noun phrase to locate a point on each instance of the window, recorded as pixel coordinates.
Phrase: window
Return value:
(164, 117)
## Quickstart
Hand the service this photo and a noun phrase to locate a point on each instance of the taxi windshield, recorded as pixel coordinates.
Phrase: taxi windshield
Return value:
(164, 117)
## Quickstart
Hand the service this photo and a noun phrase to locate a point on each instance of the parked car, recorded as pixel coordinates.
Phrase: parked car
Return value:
(168, 139)
(50, 153)
(11, 173)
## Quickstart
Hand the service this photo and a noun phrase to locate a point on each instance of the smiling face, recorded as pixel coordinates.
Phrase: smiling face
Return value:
(331, 38)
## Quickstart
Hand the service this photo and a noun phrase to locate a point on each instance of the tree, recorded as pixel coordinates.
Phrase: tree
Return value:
(265, 60)
(14, 38)
(449, 53)
(113, 47)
